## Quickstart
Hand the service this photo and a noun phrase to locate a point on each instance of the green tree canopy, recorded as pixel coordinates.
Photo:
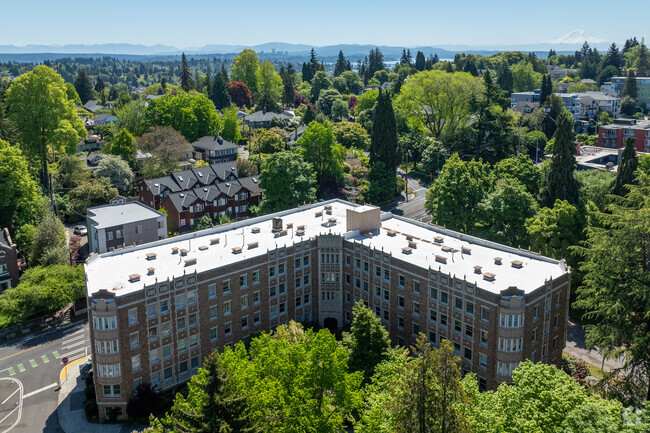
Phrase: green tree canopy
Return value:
(70, 172)
(49, 247)
(553, 230)
(43, 289)
(94, 192)
(187, 83)
(319, 83)
(133, 117)
(267, 141)
(192, 114)
(20, 201)
(288, 181)
(269, 86)
(38, 103)
(231, 130)
(244, 68)
(439, 100)
(123, 145)
(627, 168)
(522, 169)
(327, 99)
(561, 183)
(117, 171)
(319, 148)
(83, 86)
(351, 134)
(454, 196)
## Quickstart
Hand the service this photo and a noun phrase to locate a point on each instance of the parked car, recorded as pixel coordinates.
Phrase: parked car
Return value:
(80, 230)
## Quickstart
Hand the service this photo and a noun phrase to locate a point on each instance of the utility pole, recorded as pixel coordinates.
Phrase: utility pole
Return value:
(406, 187)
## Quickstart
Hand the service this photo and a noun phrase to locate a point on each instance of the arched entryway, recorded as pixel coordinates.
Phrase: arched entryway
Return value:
(331, 323)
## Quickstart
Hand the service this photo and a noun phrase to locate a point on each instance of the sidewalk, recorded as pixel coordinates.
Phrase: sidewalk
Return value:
(575, 345)
(72, 417)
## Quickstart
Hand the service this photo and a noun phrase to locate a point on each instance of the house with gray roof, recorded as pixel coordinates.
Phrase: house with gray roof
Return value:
(93, 106)
(120, 225)
(263, 118)
(215, 149)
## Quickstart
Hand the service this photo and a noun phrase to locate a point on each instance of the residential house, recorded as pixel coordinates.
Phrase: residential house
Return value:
(526, 107)
(12, 262)
(93, 106)
(517, 97)
(614, 135)
(123, 224)
(215, 149)
(263, 118)
(104, 119)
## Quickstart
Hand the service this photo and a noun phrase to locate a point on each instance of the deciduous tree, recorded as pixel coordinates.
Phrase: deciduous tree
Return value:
(193, 115)
(288, 181)
(319, 148)
(244, 68)
(123, 145)
(240, 94)
(117, 171)
(20, 201)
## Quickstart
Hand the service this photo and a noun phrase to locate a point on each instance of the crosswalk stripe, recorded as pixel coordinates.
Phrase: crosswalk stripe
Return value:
(11, 371)
(45, 359)
(56, 354)
(21, 368)
(33, 363)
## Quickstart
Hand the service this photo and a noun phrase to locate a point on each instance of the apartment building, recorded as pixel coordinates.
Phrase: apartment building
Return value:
(123, 224)
(157, 310)
(616, 85)
(613, 136)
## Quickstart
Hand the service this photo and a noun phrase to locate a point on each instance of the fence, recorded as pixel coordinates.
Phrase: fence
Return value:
(36, 324)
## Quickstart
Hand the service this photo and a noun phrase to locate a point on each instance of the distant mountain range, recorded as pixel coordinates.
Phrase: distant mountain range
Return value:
(351, 51)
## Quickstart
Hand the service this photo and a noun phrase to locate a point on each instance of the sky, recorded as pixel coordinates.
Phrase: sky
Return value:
(186, 24)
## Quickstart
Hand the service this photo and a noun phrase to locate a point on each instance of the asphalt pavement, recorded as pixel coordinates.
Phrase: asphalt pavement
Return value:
(29, 377)
(413, 206)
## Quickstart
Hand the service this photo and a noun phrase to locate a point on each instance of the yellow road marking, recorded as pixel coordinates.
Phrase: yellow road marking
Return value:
(64, 370)
(22, 351)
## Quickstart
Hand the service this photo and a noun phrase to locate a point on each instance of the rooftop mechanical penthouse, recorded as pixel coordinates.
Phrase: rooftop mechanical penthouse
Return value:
(158, 309)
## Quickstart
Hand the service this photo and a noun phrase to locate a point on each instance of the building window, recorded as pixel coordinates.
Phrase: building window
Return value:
(457, 326)
(180, 301)
(134, 339)
(274, 310)
(416, 329)
(112, 390)
(109, 370)
(244, 322)
(554, 344)
(469, 331)
(433, 294)
(281, 269)
(443, 320)
(194, 340)
(227, 309)
(256, 277)
(256, 297)
(272, 292)
(213, 334)
(153, 333)
(432, 337)
(168, 373)
(227, 328)
(305, 261)
(386, 295)
(166, 329)
(256, 318)
(282, 308)
(167, 351)
(182, 344)
(482, 361)
(483, 337)
(180, 323)
(467, 353)
(469, 308)
(164, 306)
(104, 323)
(213, 312)
(244, 302)
(416, 308)
(192, 297)
(194, 362)
(444, 298)
(511, 320)
(400, 281)
(133, 316)
(433, 315)
(400, 322)
(271, 271)
(306, 299)
(556, 321)
(485, 314)
(299, 281)
(152, 311)
(458, 303)
(400, 302)
(212, 290)
(386, 314)
(357, 263)
(534, 339)
(282, 288)
(192, 319)
(305, 280)
(226, 286)
(416, 287)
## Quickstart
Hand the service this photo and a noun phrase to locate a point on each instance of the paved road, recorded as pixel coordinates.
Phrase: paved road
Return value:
(414, 207)
(29, 378)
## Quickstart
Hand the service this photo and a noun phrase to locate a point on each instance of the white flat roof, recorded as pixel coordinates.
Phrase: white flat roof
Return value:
(120, 213)
(112, 270)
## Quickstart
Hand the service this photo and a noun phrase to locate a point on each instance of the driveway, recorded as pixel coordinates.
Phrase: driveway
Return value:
(576, 346)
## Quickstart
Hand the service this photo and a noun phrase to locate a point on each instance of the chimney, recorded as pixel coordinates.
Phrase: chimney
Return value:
(277, 224)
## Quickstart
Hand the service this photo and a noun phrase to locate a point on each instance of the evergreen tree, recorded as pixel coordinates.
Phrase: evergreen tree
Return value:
(555, 106)
(383, 141)
(208, 85)
(420, 62)
(629, 44)
(309, 115)
(561, 183)
(546, 90)
(220, 96)
(99, 85)
(288, 92)
(551, 53)
(613, 58)
(630, 88)
(470, 66)
(626, 168)
(375, 62)
(367, 342)
(307, 72)
(83, 86)
(187, 83)
(643, 63)
(163, 86)
(449, 68)
(505, 79)
(341, 65)
(211, 405)
(406, 58)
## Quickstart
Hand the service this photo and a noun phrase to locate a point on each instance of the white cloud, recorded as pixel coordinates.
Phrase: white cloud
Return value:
(577, 37)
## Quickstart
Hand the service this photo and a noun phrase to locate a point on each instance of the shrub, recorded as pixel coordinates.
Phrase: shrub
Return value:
(574, 367)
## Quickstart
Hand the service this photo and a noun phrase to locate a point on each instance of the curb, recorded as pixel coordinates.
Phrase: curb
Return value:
(70, 364)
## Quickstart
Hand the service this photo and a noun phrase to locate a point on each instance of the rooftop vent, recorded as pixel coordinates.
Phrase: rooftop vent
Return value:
(150, 271)
(477, 269)
(280, 233)
(328, 211)
(190, 262)
(517, 264)
(175, 250)
(332, 220)
(205, 190)
(255, 230)
(413, 244)
(180, 178)
(228, 184)
(233, 169)
(134, 277)
(488, 276)
(181, 195)
(203, 247)
(151, 256)
(438, 239)
(214, 241)
(441, 259)
(254, 180)
(301, 227)
(277, 224)
(407, 250)
(156, 185)
(497, 260)
(236, 250)
(200, 174)
(328, 207)
(289, 225)
(319, 214)
(300, 232)
(391, 233)
(183, 252)
(466, 250)
(446, 249)
(367, 234)
(408, 237)
(253, 245)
